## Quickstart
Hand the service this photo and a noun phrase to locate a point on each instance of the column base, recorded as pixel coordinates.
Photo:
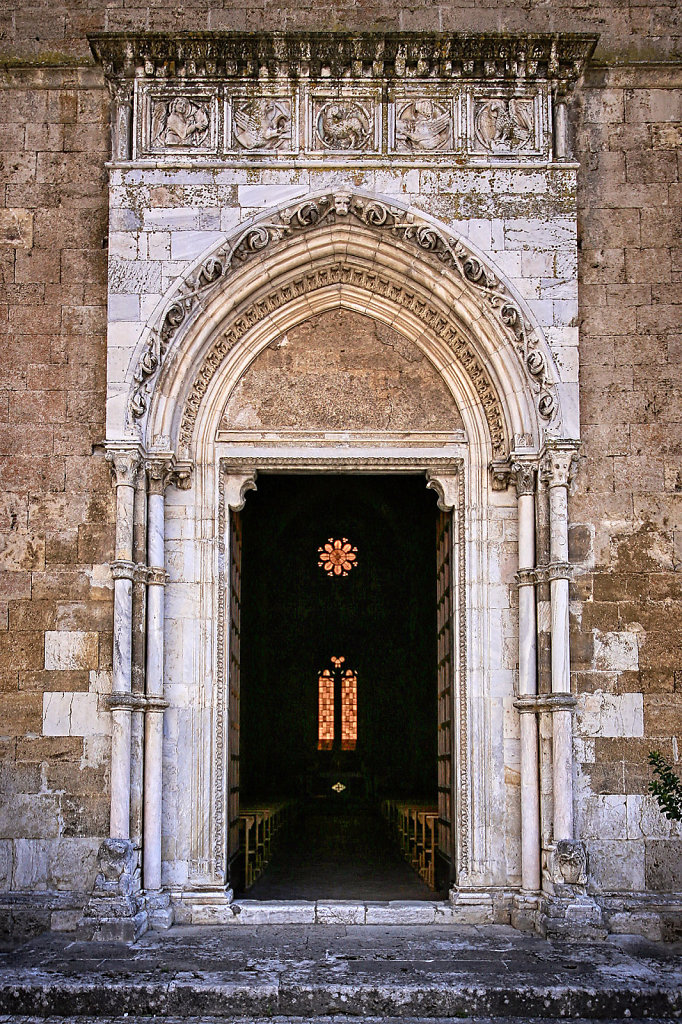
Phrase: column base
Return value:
(480, 905)
(571, 916)
(160, 913)
(116, 909)
(526, 911)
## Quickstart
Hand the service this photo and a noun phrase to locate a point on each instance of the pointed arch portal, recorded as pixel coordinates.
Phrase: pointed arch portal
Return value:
(337, 333)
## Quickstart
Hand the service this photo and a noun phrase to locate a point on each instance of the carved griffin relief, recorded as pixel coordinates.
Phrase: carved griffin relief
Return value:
(504, 126)
(264, 123)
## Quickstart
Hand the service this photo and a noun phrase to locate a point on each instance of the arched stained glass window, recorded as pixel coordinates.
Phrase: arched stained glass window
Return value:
(325, 720)
(349, 710)
(329, 682)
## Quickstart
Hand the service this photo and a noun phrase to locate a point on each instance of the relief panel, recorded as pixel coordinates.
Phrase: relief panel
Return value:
(170, 121)
(263, 123)
(515, 125)
(425, 121)
(344, 121)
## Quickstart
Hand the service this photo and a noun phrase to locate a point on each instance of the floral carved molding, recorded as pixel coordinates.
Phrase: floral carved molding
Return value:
(431, 243)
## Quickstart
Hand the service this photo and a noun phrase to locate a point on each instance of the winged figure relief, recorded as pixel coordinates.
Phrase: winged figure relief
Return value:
(343, 126)
(424, 126)
(179, 122)
(505, 125)
(264, 124)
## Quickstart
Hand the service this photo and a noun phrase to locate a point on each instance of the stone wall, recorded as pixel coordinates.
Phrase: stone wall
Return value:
(57, 509)
(56, 505)
(627, 645)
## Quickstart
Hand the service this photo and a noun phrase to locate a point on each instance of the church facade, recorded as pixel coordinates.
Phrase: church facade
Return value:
(442, 256)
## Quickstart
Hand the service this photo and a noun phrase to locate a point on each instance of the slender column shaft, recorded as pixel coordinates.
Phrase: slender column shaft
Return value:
(158, 476)
(560, 130)
(125, 468)
(138, 661)
(530, 786)
(562, 746)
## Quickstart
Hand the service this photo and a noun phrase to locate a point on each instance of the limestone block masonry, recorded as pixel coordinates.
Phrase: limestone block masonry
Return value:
(451, 197)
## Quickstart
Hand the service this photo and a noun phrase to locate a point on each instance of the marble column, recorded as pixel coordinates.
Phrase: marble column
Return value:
(559, 464)
(124, 465)
(524, 477)
(158, 475)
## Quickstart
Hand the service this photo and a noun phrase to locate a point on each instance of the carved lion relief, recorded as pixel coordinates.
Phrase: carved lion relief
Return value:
(344, 124)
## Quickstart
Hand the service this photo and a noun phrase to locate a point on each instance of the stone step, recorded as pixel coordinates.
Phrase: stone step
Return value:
(389, 998)
(345, 1019)
(321, 973)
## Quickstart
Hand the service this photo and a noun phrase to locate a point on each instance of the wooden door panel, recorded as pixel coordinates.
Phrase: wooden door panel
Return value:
(234, 686)
(446, 844)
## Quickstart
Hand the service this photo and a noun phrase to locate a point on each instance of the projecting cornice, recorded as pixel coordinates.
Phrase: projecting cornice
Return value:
(559, 58)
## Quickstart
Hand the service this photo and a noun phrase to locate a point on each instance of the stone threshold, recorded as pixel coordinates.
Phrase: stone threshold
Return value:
(201, 910)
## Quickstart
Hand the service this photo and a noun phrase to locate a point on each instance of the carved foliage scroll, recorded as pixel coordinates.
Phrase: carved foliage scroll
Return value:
(430, 242)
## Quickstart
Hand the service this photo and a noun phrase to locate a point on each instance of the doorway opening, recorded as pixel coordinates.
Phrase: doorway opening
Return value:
(339, 735)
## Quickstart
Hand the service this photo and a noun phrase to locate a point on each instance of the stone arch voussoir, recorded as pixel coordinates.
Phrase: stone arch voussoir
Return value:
(346, 241)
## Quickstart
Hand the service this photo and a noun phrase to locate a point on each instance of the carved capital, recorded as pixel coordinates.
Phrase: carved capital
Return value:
(526, 578)
(156, 577)
(545, 702)
(140, 573)
(165, 470)
(524, 474)
(159, 474)
(446, 487)
(236, 487)
(124, 464)
(558, 571)
(560, 463)
(122, 569)
(124, 701)
(182, 474)
(155, 705)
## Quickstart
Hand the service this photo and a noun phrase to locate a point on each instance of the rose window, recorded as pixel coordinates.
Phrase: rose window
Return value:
(337, 557)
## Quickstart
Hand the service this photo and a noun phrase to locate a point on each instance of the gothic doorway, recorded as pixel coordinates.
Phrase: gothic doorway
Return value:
(339, 711)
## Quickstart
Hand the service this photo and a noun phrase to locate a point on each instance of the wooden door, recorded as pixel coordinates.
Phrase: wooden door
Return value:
(235, 593)
(446, 675)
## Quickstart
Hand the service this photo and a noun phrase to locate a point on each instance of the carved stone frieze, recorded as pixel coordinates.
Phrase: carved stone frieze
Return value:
(226, 95)
(315, 56)
(313, 215)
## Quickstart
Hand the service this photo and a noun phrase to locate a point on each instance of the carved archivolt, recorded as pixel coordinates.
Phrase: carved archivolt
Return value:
(430, 243)
(366, 280)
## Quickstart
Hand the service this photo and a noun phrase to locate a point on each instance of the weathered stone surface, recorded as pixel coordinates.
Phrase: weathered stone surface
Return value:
(341, 370)
(57, 515)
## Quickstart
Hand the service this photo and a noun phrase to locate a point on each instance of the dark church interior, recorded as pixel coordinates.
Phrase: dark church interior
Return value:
(371, 619)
